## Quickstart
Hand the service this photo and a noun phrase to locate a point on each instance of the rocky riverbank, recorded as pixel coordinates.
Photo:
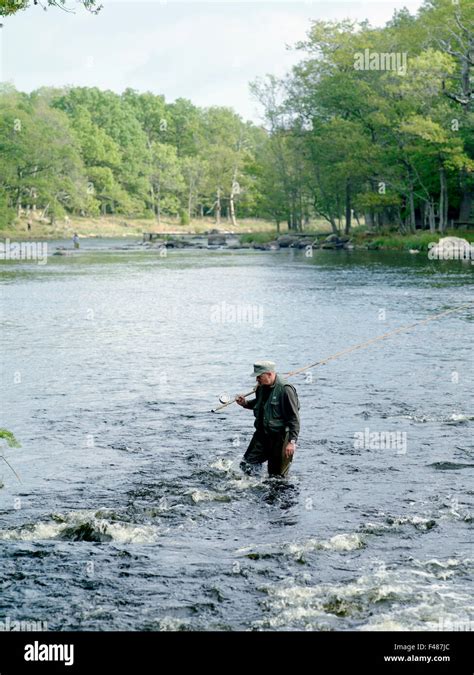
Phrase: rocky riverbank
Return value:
(434, 244)
(359, 239)
(231, 241)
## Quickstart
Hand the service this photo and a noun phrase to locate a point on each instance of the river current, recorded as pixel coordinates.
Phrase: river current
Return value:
(133, 513)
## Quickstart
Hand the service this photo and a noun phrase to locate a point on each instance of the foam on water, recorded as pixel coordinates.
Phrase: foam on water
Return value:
(208, 496)
(461, 418)
(393, 523)
(244, 482)
(171, 624)
(453, 418)
(383, 599)
(222, 464)
(340, 542)
(82, 526)
(383, 625)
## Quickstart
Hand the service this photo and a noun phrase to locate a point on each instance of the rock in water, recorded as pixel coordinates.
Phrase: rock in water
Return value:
(216, 240)
(451, 248)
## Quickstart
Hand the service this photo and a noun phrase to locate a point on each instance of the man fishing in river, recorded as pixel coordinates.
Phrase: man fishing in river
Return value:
(277, 421)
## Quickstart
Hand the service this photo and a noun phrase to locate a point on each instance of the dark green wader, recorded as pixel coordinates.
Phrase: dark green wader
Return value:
(268, 447)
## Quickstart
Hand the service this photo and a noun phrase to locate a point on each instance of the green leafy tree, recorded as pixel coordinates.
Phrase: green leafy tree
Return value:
(12, 442)
(166, 179)
(9, 7)
(121, 134)
(40, 165)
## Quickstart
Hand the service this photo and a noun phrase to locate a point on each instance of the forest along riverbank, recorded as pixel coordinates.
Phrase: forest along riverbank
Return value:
(131, 494)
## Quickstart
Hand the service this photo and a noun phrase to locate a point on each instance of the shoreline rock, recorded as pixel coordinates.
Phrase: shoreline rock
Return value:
(451, 248)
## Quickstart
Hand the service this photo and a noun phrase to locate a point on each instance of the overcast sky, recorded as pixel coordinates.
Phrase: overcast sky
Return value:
(207, 52)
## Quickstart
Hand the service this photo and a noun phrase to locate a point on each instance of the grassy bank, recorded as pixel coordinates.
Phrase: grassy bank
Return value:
(251, 231)
(120, 226)
(318, 231)
(398, 242)
(360, 237)
(111, 226)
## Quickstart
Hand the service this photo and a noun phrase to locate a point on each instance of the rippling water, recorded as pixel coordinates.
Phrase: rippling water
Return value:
(133, 513)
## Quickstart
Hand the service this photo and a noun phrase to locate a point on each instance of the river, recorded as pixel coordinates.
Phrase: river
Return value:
(133, 513)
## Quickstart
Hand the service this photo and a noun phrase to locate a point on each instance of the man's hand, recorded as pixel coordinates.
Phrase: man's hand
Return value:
(290, 450)
(240, 400)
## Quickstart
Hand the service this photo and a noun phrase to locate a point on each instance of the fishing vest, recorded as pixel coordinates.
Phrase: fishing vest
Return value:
(272, 410)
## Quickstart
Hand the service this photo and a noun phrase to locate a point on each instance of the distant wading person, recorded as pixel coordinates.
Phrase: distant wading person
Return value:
(277, 422)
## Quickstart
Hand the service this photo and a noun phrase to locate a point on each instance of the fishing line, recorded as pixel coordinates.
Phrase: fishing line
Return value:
(361, 345)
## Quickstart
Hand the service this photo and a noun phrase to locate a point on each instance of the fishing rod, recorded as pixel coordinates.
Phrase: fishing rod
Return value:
(348, 350)
(8, 463)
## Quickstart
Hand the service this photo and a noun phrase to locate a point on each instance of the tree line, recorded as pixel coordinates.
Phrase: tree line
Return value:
(89, 152)
(376, 123)
(373, 125)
